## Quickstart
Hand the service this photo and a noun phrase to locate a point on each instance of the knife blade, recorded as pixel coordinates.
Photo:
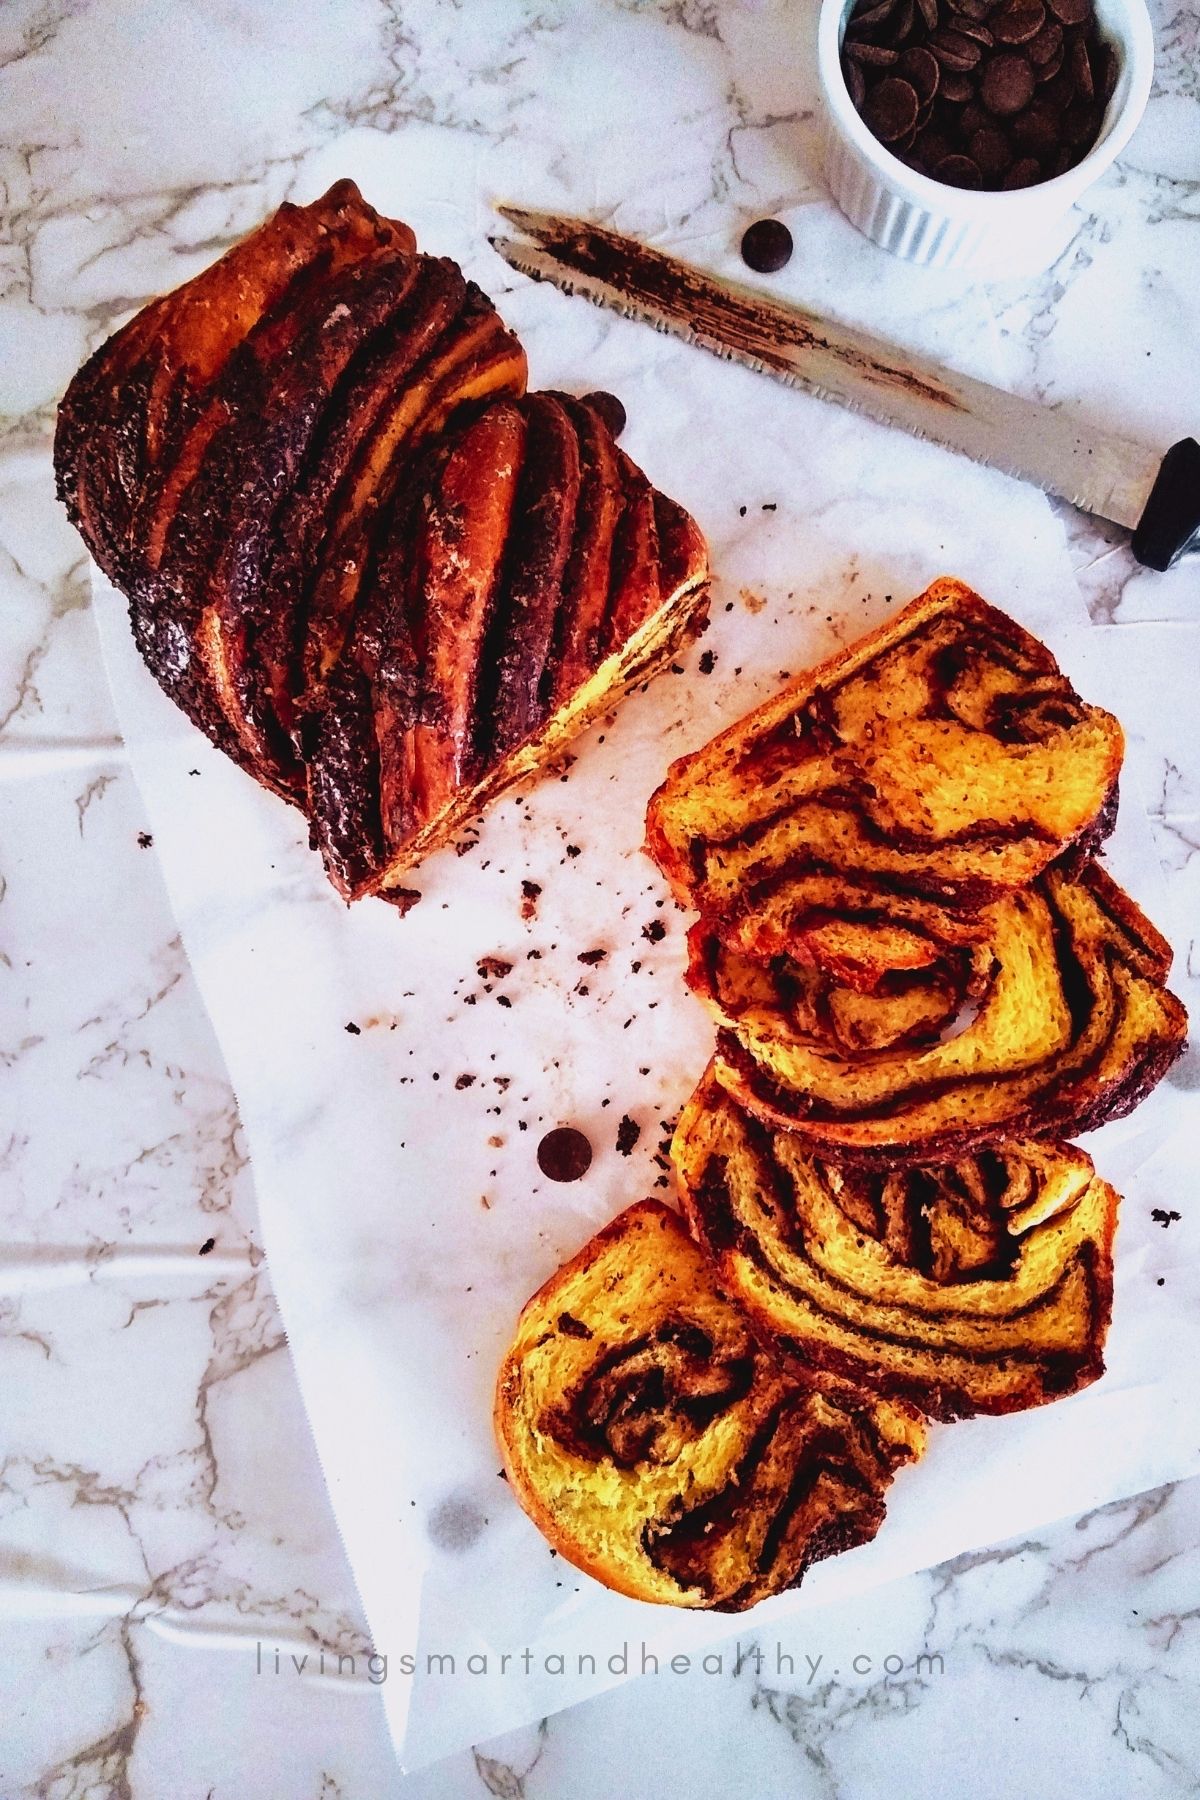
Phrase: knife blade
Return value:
(1114, 477)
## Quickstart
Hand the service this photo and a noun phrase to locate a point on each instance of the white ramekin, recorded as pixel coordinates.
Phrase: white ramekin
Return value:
(944, 227)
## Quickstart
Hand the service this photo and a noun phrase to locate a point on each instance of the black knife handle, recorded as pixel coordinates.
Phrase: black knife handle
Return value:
(1170, 523)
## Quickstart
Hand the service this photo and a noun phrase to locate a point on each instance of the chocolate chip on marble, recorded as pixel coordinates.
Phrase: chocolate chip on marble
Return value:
(767, 246)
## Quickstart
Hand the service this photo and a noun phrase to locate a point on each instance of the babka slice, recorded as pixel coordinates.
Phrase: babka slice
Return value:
(945, 756)
(1057, 1021)
(660, 1447)
(980, 1286)
(528, 577)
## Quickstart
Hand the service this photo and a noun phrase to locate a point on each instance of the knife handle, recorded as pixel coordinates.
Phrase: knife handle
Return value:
(1170, 523)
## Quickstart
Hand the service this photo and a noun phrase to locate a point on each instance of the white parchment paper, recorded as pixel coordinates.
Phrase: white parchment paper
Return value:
(402, 1209)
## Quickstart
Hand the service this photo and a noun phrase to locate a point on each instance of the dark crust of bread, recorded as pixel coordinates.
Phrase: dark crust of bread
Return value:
(126, 411)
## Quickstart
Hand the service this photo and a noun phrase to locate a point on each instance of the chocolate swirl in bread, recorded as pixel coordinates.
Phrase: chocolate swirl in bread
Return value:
(981, 1286)
(1068, 1025)
(528, 577)
(661, 1447)
(312, 471)
(944, 756)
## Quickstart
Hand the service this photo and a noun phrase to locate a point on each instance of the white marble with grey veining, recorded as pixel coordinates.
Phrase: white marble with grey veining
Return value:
(161, 1511)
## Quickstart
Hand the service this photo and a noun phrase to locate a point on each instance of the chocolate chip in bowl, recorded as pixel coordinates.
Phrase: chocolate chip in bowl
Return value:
(980, 94)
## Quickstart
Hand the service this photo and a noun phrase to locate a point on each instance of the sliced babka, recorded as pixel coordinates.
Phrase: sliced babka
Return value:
(944, 756)
(661, 1447)
(979, 1286)
(1057, 1021)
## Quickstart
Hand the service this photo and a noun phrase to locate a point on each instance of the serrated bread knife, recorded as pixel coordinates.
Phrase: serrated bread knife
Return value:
(1155, 497)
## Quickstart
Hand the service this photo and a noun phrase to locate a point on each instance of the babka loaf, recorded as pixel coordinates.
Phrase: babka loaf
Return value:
(662, 1448)
(981, 1286)
(313, 472)
(1058, 1021)
(945, 756)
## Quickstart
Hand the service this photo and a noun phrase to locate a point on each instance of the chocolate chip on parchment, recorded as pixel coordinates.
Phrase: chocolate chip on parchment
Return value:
(564, 1154)
(767, 246)
(891, 110)
(610, 409)
(1007, 83)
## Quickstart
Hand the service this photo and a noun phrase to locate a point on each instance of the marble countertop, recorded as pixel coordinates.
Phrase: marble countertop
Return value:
(164, 1528)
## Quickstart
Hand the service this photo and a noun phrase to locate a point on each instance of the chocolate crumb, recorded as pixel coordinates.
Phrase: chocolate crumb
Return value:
(1164, 1218)
(530, 890)
(654, 932)
(570, 1326)
(503, 1000)
(207, 1245)
(707, 663)
(354, 1030)
(493, 968)
(464, 1081)
(573, 850)
(591, 957)
(628, 1133)
(145, 840)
